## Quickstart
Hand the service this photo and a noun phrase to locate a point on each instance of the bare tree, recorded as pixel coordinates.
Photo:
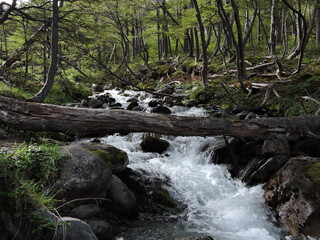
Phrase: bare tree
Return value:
(43, 93)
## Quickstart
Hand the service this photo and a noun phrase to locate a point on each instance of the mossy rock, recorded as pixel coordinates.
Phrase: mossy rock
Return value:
(314, 172)
(115, 158)
(162, 197)
(154, 144)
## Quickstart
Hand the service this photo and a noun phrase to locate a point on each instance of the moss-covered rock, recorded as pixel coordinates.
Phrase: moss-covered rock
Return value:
(294, 192)
(154, 144)
(162, 197)
(115, 158)
(314, 172)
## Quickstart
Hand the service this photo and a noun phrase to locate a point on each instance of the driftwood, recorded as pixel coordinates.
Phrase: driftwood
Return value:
(85, 122)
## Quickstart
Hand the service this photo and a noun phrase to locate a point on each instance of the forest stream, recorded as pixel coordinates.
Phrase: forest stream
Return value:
(217, 205)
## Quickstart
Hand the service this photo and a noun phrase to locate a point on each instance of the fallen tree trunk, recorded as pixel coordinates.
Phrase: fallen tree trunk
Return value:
(84, 122)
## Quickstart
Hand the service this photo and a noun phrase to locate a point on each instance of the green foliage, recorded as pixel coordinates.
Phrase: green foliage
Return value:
(12, 92)
(26, 173)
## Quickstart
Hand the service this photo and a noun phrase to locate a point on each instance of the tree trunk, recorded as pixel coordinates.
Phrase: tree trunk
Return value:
(203, 43)
(85, 122)
(43, 93)
(318, 26)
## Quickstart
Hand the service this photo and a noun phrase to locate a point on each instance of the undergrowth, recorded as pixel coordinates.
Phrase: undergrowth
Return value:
(26, 172)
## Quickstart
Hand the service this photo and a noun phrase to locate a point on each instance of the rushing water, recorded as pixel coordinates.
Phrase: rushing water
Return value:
(217, 205)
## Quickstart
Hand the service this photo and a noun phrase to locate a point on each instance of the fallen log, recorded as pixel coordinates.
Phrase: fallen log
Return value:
(85, 122)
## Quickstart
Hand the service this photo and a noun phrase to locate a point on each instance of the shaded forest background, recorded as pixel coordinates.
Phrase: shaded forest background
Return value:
(66, 46)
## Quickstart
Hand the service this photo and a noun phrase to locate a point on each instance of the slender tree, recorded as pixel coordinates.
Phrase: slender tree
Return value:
(43, 93)
(204, 72)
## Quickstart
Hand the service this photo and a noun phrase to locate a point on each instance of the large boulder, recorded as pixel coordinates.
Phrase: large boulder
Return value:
(86, 211)
(151, 192)
(275, 153)
(115, 158)
(122, 199)
(259, 170)
(307, 145)
(294, 192)
(75, 229)
(101, 228)
(276, 145)
(154, 144)
(82, 174)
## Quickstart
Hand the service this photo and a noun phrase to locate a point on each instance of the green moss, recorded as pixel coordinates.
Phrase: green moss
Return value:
(314, 172)
(116, 157)
(163, 197)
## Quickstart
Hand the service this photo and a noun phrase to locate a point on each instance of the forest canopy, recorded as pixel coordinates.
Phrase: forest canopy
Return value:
(65, 46)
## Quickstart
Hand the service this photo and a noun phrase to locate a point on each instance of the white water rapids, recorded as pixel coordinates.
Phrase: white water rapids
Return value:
(217, 205)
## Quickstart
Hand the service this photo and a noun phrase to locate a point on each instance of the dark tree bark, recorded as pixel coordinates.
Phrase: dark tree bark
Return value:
(318, 26)
(43, 93)
(204, 72)
(84, 122)
(7, 13)
(273, 37)
(238, 43)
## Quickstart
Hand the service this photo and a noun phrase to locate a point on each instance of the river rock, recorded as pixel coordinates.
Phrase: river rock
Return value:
(122, 199)
(101, 228)
(192, 103)
(161, 110)
(95, 103)
(115, 158)
(274, 154)
(133, 99)
(137, 109)
(82, 174)
(85, 211)
(75, 229)
(84, 103)
(111, 100)
(132, 105)
(153, 103)
(276, 145)
(307, 145)
(294, 192)
(154, 144)
(104, 98)
(259, 170)
(222, 154)
(115, 105)
(97, 88)
(168, 100)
